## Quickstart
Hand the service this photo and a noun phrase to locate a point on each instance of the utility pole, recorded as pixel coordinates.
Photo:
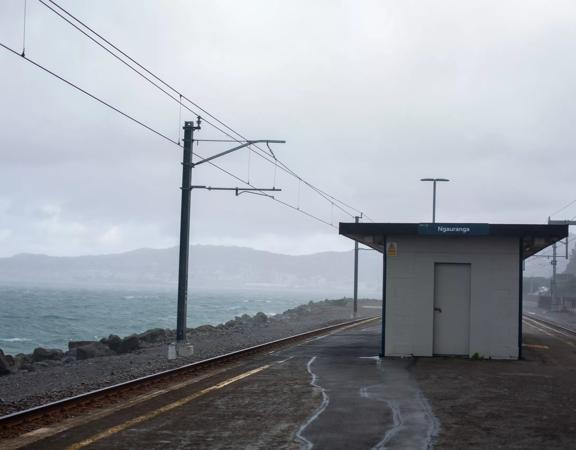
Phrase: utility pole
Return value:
(187, 165)
(554, 263)
(182, 348)
(355, 310)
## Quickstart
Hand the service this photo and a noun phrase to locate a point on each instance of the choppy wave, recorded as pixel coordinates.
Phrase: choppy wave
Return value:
(51, 317)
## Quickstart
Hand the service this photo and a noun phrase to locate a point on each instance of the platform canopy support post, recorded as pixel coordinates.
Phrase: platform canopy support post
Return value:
(383, 337)
(355, 307)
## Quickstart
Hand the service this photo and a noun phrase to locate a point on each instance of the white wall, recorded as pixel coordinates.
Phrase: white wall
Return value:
(494, 293)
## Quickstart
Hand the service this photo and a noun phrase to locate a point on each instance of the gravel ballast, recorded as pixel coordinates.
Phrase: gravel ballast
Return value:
(92, 365)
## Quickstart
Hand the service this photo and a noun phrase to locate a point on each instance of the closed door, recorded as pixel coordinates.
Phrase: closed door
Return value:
(451, 309)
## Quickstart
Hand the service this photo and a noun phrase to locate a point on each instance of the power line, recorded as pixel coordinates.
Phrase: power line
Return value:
(563, 208)
(261, 153)
(149, 128)
(75, 86)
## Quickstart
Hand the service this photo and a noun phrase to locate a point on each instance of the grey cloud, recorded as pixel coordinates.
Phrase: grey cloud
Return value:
(370, 96)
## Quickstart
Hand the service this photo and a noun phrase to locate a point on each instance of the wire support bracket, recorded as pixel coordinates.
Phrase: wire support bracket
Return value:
(238, 147)
(239, 190)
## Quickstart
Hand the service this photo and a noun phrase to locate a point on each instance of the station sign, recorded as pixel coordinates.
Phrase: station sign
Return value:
(454, 229)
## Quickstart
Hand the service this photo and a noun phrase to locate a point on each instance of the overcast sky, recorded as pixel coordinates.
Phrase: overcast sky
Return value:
(370, 96)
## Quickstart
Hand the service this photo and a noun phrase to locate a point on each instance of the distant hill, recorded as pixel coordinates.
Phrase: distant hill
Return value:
(210, 266)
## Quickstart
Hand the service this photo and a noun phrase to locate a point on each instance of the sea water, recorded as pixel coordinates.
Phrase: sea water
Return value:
(49, 317)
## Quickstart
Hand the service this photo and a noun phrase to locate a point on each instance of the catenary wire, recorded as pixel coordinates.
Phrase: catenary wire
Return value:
(75, 86)
(149, 128)
(563, 208)
(319, 191)
(261, 153)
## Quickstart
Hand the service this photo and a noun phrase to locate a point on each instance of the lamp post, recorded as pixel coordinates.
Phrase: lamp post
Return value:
(434, 180)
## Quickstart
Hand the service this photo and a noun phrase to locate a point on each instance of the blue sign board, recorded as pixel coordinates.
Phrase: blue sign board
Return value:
(454, 229)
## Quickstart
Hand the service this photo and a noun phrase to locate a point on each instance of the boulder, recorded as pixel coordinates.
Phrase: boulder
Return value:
(244, 319)
(154, 335)
(5, 367)
(129, 344)
(47, 354)
(260, 318)
(204, 329)
(24, 362)
(93, 350)
(113, 342)
(230, 324)
(75, 344)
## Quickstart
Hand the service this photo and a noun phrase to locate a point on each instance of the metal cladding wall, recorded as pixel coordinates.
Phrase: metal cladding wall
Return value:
(494, 299)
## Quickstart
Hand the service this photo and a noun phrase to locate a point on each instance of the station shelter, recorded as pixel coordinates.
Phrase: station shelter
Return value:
(453, 288)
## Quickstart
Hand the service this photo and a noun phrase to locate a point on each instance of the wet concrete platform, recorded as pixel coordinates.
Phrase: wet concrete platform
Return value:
(331, 392)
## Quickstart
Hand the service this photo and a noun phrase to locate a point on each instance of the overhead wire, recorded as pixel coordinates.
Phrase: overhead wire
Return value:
(24, 29)
(260, 152)
(149, 128)
(563, 208)
(75, 86)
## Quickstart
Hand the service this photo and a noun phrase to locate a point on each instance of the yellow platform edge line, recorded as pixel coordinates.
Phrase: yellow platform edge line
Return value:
(135, 421)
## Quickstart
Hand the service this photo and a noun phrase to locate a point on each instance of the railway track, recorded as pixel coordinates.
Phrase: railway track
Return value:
(15, 424)
(554, 326)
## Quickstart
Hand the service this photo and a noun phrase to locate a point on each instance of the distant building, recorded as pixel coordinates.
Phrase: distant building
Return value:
(453, 289)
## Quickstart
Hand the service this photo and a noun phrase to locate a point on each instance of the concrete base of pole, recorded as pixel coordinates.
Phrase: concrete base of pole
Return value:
(179, 350)
(171, 351)
(184, 349)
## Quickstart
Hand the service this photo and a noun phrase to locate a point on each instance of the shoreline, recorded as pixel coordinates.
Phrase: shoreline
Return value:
(89, 365)
(50, 317)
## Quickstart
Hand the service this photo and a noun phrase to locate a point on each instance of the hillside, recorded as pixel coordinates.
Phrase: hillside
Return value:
(210, 266)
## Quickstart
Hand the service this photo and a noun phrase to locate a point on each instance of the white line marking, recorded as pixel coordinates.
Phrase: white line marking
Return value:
(397, 425)
(284, 360)
(433, 424)
(411, 412)
(306, 444)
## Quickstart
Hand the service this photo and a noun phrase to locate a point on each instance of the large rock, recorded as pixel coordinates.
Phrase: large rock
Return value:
(5, 367)
(24, 362)
(260, 318)
(113, 342)
(203, 329)
(230, 324)
(154, 335)
(129, 344)
(244, 319)
(93, 350)
(47, 354)
(75, 344)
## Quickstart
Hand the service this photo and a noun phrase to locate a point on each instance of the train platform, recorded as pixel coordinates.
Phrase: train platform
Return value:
(331, 391)
(334, 392)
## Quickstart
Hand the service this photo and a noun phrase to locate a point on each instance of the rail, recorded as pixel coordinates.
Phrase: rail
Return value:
(550, 323)
(13, 420)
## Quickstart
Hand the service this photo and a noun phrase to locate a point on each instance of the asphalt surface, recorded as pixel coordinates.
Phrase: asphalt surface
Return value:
(491, 404)
(331, 392)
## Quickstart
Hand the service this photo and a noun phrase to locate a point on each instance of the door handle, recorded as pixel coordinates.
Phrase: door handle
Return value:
(438, 309)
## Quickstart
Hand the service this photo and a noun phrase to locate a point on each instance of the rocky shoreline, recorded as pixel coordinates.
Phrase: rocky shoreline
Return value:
(51, 374)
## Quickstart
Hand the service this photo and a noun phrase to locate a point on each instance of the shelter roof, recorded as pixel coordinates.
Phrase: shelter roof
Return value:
(534, 237)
